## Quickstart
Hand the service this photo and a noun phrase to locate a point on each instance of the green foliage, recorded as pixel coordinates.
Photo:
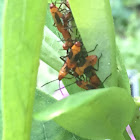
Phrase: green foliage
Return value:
(126, 136)
(135, 124)
(94, 114)
(120, 20)
(127, 26)
(130, 49)
(88, 108)
(102, 110)
(1, 9)
(79, 116)
(22, 35)
(131, 3)
(48, 130)
(122, 75)
(51, 50)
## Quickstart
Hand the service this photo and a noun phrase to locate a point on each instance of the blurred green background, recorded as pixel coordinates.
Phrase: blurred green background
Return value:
(126, 14)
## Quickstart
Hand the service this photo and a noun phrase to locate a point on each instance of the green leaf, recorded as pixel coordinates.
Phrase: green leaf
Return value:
(50, 50)
(123, 80)
(22, 36)
(46, 74)
(126, 136)
(101, 113)
(95, 24)
(1, 128)
(135, 124)
(51, 22)
(48, 130)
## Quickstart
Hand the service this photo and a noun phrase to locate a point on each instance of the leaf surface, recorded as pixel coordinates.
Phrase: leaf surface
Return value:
(48, 129)
(123, 80)
(95, 24)
(135, 124)
(102, 110)
(22, 36)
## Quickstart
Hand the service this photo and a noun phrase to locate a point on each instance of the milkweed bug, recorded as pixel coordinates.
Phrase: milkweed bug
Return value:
(67, 3)
(71, 59)
(63, 72)
(56, 14)
(93, 83)
(89, 61)
(54, 10)
(85, 85)
(66, 19)
(77, 53)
